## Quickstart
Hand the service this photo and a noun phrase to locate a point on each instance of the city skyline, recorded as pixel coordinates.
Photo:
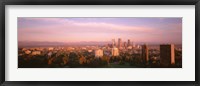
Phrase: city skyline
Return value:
(149, 30)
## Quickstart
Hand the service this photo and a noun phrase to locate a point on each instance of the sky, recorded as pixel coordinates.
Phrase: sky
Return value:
(100, 29)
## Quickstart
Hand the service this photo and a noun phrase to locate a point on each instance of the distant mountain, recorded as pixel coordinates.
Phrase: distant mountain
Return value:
(46, 44)
(82, 43)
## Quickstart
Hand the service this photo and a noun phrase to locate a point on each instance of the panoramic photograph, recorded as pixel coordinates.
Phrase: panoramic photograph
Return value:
(99, 42)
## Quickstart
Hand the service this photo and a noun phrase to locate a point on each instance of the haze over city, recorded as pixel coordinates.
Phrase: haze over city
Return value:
(71, 30)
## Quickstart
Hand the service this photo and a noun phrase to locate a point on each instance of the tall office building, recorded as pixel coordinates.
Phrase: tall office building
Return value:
(167, 54)
(119, 43)
(129, 42)
(125, 45)
(113, 43)
(133, 44)
(145, 54)
(98, 53)
(115, 51)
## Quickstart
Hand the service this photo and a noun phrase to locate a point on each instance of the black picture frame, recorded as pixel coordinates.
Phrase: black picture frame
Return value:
(99, 2)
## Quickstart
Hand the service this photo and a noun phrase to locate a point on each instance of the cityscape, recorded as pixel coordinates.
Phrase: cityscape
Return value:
(79, 43)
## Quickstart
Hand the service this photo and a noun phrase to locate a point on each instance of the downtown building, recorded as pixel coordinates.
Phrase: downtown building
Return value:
(120, 43)
(129, 42)
(145, 54)
(167, 54)
(113, 43)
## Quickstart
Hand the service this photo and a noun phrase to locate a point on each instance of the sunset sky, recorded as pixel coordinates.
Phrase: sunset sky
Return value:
(149, 30)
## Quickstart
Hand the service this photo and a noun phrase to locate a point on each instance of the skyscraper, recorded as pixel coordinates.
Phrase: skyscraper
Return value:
(167, 54)
(133, 44)
(125, 45)
(113, 43)
(145, 54)
(119, 43)
(129, 42)
(115, 51)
